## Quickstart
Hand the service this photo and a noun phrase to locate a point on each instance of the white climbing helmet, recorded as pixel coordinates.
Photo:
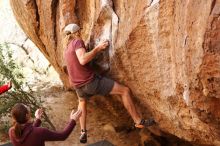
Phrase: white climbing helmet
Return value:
(71, 28)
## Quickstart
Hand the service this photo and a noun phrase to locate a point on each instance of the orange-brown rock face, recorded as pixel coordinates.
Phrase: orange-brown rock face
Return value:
(167, 52)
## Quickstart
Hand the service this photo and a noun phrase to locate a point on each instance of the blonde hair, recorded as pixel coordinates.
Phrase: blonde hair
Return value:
(69, 37)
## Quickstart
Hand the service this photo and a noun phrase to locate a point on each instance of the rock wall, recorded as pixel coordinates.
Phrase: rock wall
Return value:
(167, 52)
(35, 67)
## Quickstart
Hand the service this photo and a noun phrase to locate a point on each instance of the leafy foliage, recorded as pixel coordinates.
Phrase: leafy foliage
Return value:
(10, 70)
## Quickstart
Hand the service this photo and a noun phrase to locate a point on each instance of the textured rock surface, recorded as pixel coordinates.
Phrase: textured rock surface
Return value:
(167, 52)
(35, 66)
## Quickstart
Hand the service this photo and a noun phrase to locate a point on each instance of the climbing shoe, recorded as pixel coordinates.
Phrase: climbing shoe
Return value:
(83, 136)
(145, 123)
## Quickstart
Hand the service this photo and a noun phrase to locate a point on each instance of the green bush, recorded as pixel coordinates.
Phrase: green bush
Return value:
(10, 70)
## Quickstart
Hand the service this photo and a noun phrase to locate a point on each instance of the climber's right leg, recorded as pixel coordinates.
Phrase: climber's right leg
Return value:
(125, 93)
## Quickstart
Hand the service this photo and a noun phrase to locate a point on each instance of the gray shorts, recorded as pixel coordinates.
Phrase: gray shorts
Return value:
(98, 86)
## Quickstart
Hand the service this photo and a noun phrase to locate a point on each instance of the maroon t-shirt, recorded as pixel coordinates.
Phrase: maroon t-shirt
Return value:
(33, 135)
(79, 75)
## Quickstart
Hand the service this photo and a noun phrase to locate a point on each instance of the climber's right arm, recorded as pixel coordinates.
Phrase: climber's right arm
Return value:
(85, 57)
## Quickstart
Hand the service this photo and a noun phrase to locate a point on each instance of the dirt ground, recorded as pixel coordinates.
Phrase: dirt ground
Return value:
(115, 126)
(101, 125)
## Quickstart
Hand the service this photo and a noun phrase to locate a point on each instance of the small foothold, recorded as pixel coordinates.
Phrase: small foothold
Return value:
(205, 91)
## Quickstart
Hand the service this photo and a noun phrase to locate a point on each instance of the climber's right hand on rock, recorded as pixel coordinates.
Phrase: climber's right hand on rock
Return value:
(75, 115)
(103, 45)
